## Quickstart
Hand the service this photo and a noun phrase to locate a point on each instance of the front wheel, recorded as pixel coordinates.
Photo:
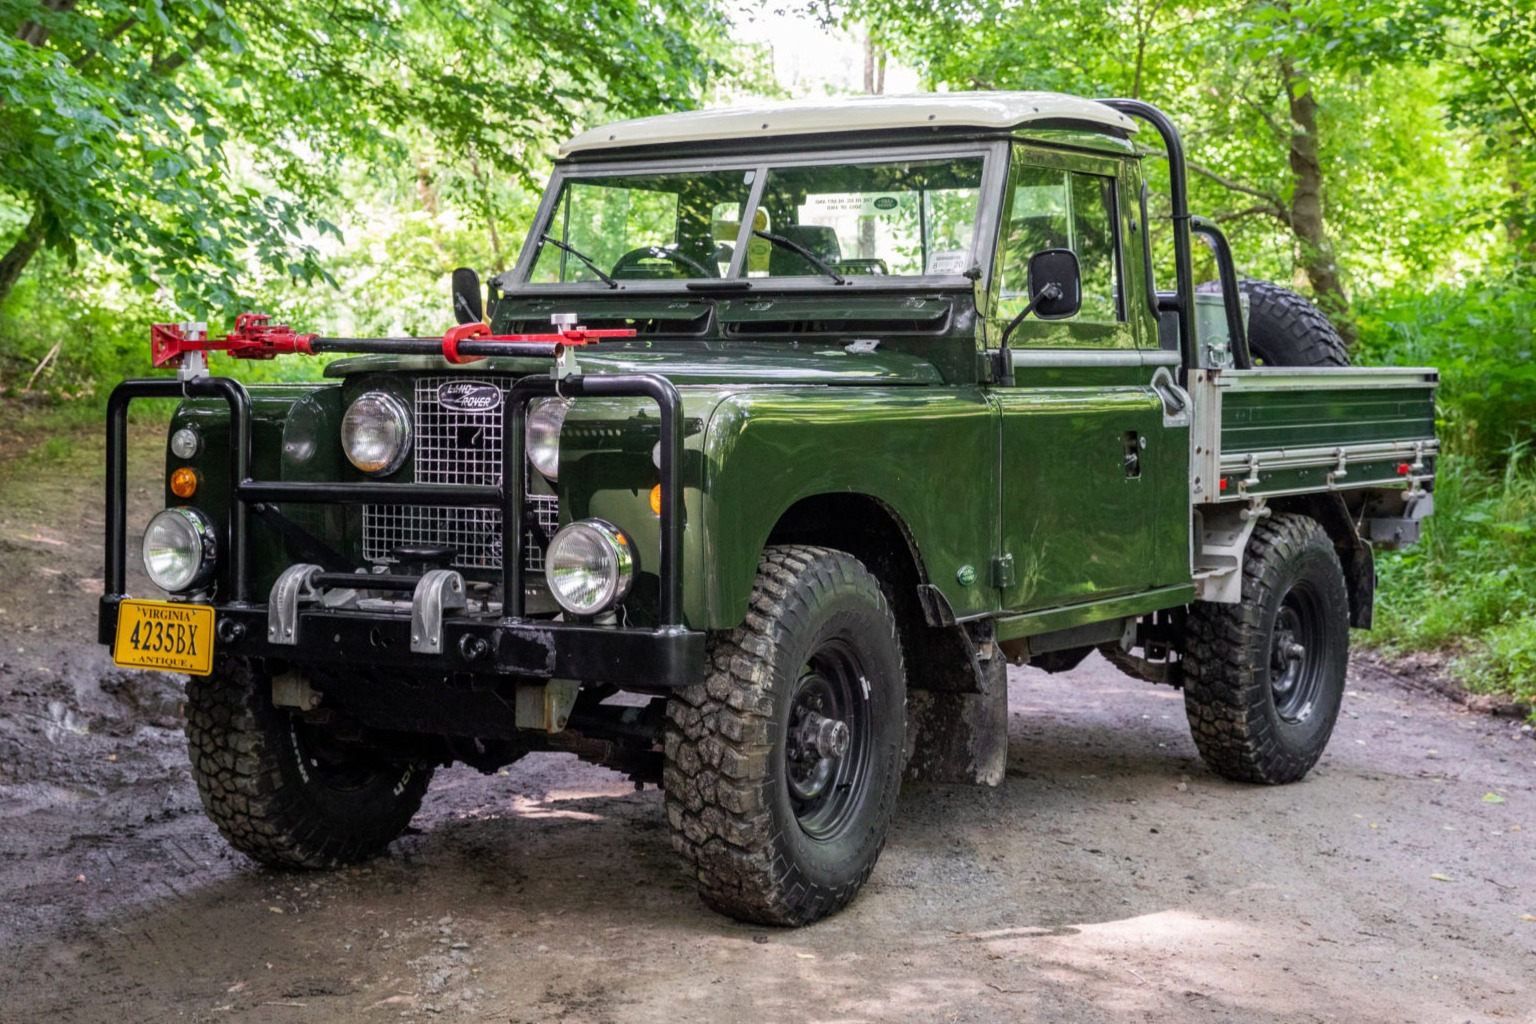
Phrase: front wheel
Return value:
(782, 769)
(1263, 679)
(282, 791)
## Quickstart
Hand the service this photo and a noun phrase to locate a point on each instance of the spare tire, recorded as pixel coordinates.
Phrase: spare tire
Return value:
(1286, 329)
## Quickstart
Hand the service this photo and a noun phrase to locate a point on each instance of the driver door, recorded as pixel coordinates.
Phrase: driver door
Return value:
(1094, 500)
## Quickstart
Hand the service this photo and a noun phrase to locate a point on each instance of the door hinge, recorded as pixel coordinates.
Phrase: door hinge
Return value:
(1002, 571)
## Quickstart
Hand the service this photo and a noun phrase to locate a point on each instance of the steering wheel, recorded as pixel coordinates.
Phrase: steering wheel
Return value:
(635, 258)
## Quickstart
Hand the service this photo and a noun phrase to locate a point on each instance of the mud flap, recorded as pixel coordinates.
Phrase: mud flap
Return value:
(960, 735)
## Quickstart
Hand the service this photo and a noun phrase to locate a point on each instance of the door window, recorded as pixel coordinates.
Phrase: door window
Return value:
(1052, 208)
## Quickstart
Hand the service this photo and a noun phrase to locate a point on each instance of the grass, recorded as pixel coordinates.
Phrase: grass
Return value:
(47, 436)
(1470, 586)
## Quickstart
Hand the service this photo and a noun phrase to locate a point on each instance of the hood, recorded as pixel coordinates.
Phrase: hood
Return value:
(696, 362)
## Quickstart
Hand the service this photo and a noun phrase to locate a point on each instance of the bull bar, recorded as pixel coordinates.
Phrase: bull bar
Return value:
(659, 658)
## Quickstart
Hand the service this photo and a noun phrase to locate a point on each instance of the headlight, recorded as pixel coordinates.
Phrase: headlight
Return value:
(376, 433)
(589, 565)
(541, 435)
(179, 550)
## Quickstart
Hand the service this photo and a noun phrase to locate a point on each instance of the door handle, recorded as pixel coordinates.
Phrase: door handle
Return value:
(1134, 443)
(1174, 398)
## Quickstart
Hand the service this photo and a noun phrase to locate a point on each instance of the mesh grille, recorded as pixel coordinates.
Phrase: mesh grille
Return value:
(454, 447)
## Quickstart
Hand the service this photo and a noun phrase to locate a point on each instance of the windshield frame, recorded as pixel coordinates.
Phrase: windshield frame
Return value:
(992, 151)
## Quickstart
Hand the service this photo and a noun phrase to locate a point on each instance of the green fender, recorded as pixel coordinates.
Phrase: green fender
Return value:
(929, 454)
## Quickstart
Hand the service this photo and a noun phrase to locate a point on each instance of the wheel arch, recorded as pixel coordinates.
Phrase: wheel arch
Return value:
(864, 526)
(940, 654)
(1354, 551)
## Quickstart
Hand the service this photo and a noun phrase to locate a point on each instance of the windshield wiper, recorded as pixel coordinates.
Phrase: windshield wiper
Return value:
(609, 281)
(810, 257)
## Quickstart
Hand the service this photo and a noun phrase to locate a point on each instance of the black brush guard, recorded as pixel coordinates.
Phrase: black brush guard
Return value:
(513, 645)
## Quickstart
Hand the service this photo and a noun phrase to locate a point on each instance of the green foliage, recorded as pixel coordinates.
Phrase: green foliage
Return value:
(191, 141)
(1471, 583)
(1481, 335)
(1399, 181)
(1504, 661)
(64, 334)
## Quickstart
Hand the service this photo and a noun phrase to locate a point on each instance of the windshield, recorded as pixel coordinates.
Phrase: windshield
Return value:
(910, 217)
(645, 226)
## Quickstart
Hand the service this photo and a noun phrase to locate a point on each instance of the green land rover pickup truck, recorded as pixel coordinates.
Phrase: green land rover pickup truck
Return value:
(791, 429)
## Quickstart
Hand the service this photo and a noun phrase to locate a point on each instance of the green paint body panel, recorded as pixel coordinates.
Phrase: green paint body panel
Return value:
(1079, 524)
(928, 455)
(1263, 420)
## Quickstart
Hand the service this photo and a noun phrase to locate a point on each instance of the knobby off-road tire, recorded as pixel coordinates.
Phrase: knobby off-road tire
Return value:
(276, 790)
(774, 826)
(1286, 329)
(1263, 679)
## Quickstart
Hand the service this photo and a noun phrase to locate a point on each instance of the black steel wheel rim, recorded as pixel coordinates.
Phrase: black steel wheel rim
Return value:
(1297, 655)
(328, 763)
(827, 790)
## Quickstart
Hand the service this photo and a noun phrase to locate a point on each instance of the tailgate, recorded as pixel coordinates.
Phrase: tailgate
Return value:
(1282, 430)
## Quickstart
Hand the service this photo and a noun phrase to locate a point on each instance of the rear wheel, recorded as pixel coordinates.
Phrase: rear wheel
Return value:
(1263, 679)
(782, 769)
(282, 791)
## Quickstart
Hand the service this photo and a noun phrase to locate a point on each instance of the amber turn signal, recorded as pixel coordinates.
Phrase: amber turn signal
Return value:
(184, 482)
(656, 499)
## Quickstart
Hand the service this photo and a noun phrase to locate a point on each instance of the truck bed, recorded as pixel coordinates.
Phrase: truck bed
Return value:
(1276, 431)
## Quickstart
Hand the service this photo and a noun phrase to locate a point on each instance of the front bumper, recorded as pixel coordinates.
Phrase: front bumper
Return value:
(508, 644)
(530, 650)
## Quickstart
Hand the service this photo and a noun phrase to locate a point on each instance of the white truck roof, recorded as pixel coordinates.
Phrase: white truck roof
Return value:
(993, 110)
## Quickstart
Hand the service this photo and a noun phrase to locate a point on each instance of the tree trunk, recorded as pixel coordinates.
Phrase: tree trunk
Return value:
(21, 252)
(426, 189)
(36, 34)
(874, 66)
(1315, 250)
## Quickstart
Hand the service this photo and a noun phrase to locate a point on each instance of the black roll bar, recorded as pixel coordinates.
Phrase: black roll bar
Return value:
(1178, 185)
(1231, 297)
(509, 497)
(233, 392)
(670, 403)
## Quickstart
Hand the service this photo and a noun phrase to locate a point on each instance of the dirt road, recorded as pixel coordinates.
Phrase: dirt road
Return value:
(1111, 878)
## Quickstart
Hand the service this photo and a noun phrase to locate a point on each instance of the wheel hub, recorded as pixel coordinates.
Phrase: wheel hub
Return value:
(1294, 673)
(826, 751)
(815, 742)
(823, 737)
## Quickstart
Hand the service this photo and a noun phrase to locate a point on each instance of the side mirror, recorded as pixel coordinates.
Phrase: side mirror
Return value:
(469, 307)
(1055, 284)
(1055, 293)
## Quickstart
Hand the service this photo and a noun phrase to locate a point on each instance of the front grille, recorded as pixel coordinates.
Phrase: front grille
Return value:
(454, 447)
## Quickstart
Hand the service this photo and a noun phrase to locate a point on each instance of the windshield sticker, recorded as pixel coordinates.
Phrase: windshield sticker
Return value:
(865, 204)
(947, 261)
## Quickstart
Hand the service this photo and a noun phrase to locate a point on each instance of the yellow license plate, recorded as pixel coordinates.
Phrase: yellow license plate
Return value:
(165, 636)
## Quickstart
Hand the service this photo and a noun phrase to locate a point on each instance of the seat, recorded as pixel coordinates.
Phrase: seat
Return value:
(818, 238)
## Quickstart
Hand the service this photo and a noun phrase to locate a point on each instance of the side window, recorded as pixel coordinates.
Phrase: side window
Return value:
(1051, 208)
